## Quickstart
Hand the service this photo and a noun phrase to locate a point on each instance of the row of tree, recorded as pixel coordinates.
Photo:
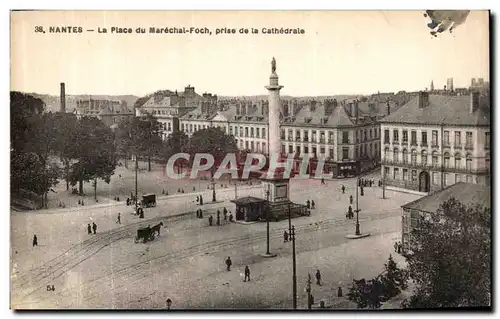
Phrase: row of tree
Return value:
(47, 147)
(449, 263)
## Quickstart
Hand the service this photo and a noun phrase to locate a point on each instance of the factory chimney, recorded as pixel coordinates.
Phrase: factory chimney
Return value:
(63, 98)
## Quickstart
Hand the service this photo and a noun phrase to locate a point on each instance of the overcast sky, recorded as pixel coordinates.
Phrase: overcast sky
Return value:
(343, 52)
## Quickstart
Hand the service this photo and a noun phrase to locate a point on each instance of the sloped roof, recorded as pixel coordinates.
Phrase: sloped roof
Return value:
(252, 115)
(442, 109)
(247, 200)
(466, 193)
(196, 114)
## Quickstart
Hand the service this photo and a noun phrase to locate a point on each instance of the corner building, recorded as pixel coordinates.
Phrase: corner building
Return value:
(435, 141)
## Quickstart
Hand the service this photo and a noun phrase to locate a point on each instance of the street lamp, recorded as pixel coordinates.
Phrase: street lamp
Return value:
(214, 199)
(267, 220)
(309, 299)
(136, 167)
(357, 209)
(294, 276)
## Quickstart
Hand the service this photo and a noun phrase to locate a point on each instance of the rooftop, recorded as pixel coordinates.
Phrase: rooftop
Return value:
(247, 200)
(442, 109)
(466, 193)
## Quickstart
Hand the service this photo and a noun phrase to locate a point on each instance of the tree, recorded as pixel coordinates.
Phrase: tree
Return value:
(96, 153)
(145, 135)
(123, 140)
(22, 108)
(212, 141)
(451, 257)
(66, 148)
(175, 143)
(373, 293)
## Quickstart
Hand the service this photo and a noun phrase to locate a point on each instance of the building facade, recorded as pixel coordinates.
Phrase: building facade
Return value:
(110, 112)
(413, 212)
(435, 141)
(168, 107)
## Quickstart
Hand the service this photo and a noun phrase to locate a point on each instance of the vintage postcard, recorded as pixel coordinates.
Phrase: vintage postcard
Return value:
(183, 160)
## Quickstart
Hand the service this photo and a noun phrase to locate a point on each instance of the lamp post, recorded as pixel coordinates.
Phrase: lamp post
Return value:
(357, 209)
(214, 199)
(308, 289)
(136, 167)
(383, 183)
(289, 218)
(294, 276)
(267, 221)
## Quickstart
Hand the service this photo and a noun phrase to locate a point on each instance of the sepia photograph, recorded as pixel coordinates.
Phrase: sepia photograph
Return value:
(250, 160)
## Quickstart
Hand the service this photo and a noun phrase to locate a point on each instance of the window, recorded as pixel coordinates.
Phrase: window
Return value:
(290, 149)
(356, 152)
(405, 136)
(413, 175)
(258, 146)
(446, 138)
(424, 157)
(446, 179)
(345, 137)
(457, 178)
(386, 153)
(322, 136)
(458, 160)
(331, 153)
(424, 139)
(396, 173)
(386, 137)
(345, 153)
(330, 137)
(468, 139)
(246, 131)
(405, 156)
(395, 155)
(395, 135)
(264, 148)
(282, 134)
(405, 174)
(252, 135)
(297, 149)
(241, 144)
(370, 150)
(458, 141)
(446, 160)
(257, 133)
(252, 147)
(413, 137)
(434, 158)
(322, 150)
(468, 162)
(414, 157)
(306, 136)
(365, 135)
(230, 130)
(371, 134)
(283, 151)
(487, 140)
(235, 131)
(469, 179)
(435, 179)
(487, 160)
(434, 138)
(387, 171)
(357, 137)
(241, 132)
(297, 134)
(246, 145)
(313, 136)
(182, 127)
(263, 133)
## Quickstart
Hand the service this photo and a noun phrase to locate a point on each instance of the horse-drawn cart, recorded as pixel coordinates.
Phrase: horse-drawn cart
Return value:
(148, 233)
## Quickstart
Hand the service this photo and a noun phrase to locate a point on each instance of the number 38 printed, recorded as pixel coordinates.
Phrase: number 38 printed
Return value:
(51, 288)
(39, 29)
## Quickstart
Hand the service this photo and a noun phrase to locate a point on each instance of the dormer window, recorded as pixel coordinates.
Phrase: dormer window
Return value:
(307, 120)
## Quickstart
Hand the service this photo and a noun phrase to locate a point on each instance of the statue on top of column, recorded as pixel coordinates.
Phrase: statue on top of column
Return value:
(273, 65)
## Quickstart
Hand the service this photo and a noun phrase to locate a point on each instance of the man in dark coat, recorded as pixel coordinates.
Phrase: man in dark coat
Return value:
(35, 241)
(308, 203)
(201, 213)
(247, 273)
(285, 236)
(210, 220)
(313, 204)
(89, 229)
(228, 263)
(201, 200)
(349, 212)
(343, 189)
(218, 213)
(225, 214)
(94, 228)
(230, 217)
(218, 220)
(318, 278)
(118, 221)
(350, 199)
(362, 193)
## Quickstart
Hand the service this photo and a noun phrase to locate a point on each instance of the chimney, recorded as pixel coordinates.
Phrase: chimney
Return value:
(356, 110)
(237, 109)
(63, 98)
(388, 108)
(423, 99)
(474, 101)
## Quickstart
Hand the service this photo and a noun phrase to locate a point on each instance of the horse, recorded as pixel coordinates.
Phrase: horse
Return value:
(157, 228)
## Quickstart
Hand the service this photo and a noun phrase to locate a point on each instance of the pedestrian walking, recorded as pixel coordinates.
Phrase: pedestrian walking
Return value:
(350, 199)
(343, 189)
(350, 213)
(395, 247)
(339, 292)
(285, 236)
(35, 241)
(323, 181)
(89, 229)
(230, 217)
(225, 214)
(118, 221)
(362, 193)
(318, 278)
(201, 213)
(313, 205)
(210, 220)
(94, 228)
(308, 203)
(201, 200)
(228, 263)
(218, 220)
(218, 213)
(197, 199)
(247, 273)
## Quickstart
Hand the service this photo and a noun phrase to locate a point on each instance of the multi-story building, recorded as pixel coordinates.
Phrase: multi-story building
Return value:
(467, 194)
(168, 107)
(436, 140)
(344, 133)
(110, 112)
